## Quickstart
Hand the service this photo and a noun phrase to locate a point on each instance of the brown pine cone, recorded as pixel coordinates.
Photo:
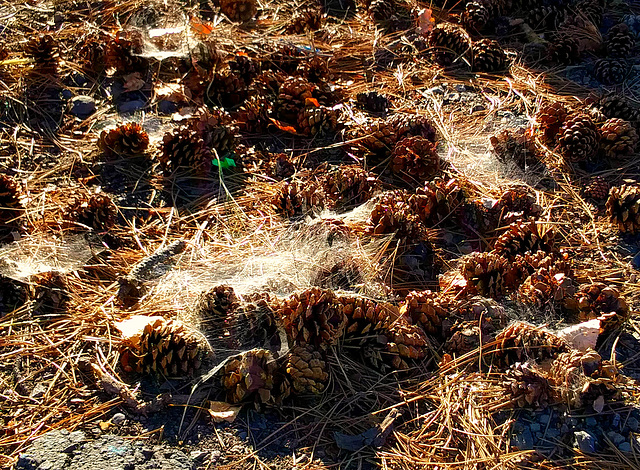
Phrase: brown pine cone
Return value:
(619, 138)
(217, 303)
(95, 211)
(250, 376)
(550, 118)
(516, 203)
(307, 370)
(10, 206)
(50, 292)
(13, 295)
(312, 317)
(295, 199)
(515, 145)
(613, 105)
(427, 309)
(380, 136)
(527, 385)
(216, 129)
(348, 186)
(485, 273)
(438, 202)
(391, 214)
(448, 43)
(564, 49)
(579, 138)
(125, 140)
(620, 41)
(184, 148)
(488, 56)
(44, 51)
(477, 14)
(415, 159)
(308, 19)
(545, 17)
(373, 101)
(524, 237)
(547, 287)
(610, 71)
(239, 11)
(316, 120)
(603, 302)
(226, 89)
(171, 349)
(597, 188)
(592, 9)
(253, 115)
(245, 67)
(623, 208)
(520, 342)
(122, 55)
(316, 70)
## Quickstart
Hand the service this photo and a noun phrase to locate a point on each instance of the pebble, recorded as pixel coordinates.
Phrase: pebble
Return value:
(535, 427)
(544, 419)
(633, 424)
(131, 106)
(615, 437)
(460, 87)
(615, 422)
(523, 441)
(585, 441)
(197, 455)
(591, 421)
(635, 262)
(83, 106)
(625, 446)
(118, 419)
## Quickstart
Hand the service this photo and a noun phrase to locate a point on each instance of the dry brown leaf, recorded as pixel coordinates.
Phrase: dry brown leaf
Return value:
(221, 411)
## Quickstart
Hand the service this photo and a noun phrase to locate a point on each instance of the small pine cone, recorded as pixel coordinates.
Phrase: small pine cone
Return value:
(620, 41)
(439, 201)
(527, 385)
(292, 99)
(381, 135)
(216, 130)
(619, 138)
(515, 145)
(51, 293)
(44, 50)
(171, 349)
(488, 56)
(295, 199)
(125, 140)
(524, 237)
(613, 105)
(623, 208)
(603, 302)
(239, 11)
(610, 71)
(318, 120)
(570, 375)
(307, 370)
(253, 115)
(373, 101)
(245, 67)
(349, 186)
(550, 119)
(344, 274)
(464, 337)
(10, 206)
(579, 138)
(485, 273)
(217, 303)
(308, 19)
(226, 89)
(92, 53)
(546, 17)
(391, 214)
(250, 376)
(415, 159)
(312, 317)
(95, 211)
(121, 55)
(477, 14)
(427, 309)
(448, 42)
(546, 286)
(515, 204)
(381, 10)
(520, 342)
(564, 49)
(284, 57)
(254, 323)
(184, 148)
(597, 188)
(13, 294)
(592, 9)
(316, 70)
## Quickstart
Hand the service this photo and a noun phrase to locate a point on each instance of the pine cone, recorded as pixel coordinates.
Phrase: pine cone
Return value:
(373, 101)
(316, 120)
(307, 370)
(95, 211)
(308, 19)
(125, 140)
(597, 188)
(623, 208)
(488, 56)
(245, 67)
(477, 14)
(392, 214)
(485, 273)
(44, 50)
(217, 303)
(603, 302)
(295, 199)
(10, 206)
(381, 135)
(92, 53)
(619, 138)
(440, 201)
(524, 237)
(592, 9)
(239, 11)
(515, 204)
(579, 138)
(527, 385)
(448, 42)
(250, 376)
(316, 70)
(610, 71)
(617, 106)
(546, 17)
(415, 159)
(520, 342)
(122, 55)
(550, 119)
(547, 287)
(620, 41)
(253, 115)
(564, 49)
(515, 145)
(51, 293)
(312, 317)
(184, 148)
(170, 348)
(226, 89)
(427, 309)
(348, 186)
(344, 274)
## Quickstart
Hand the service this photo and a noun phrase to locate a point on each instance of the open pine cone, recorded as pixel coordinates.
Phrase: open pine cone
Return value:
(415, 159)
(184, 148)
(520, 342)
(597, 300)
(623, 208)
(250, 376)
(613, 105)
(95, 211)
(295, 199)
(527, 385)
(524, 237)
(438, 202)
(10, 206)
(485, 273)
(125, 140)
(307, 19)
(550, 119)
(488, 56)
(391, 214)
(307, 370)
(239, 11)
(619, 139)
(349, 186)
(610, 71)
(448, 43)
(427, 309)
(620, 41)
(44, 51)
(579, 138)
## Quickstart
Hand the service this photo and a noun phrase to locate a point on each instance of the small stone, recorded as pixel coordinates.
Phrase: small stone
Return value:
(460, 88)
(544, 419)
(625, 446)
(535, 427)
(197, 455)
(83, 106)
(215, 455)
(523, 441)
(615, 422)
(635, 262)
(591, 421)
(477, 108)
(118, 419)
(633, 424)
(131, 106)
(585, 441)
(615, 437)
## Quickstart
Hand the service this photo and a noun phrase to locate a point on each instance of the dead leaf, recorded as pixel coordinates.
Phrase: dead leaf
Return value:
(283, 126)
(133, 82)
(221, 411)
(132, 328)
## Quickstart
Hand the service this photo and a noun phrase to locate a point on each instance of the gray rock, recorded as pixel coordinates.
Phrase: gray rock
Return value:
(625, 446)
(118, 419)
(535, 427)
(131, 106)
(460, 87)
(544, 419)
(51, 451)
(83, 106)
(633, 424)
(615, 422)
(585, 441)
(615, 437)
(591, 421)
(523, 440)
